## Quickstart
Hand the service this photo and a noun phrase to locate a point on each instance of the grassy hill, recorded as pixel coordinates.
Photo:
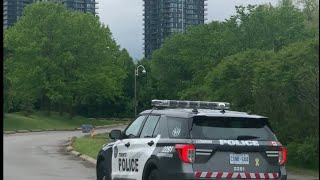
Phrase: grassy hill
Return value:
(38, 120)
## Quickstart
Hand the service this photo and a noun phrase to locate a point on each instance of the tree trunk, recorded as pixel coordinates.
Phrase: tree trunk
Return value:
(49, 108)
(71, 112)
(61, 109)
(43, 103)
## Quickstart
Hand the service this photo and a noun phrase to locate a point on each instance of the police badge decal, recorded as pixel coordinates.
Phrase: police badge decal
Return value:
(115, 150)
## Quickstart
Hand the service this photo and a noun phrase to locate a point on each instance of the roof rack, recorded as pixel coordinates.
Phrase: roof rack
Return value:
(190, 104)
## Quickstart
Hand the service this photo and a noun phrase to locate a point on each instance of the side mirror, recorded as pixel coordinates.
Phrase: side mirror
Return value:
(115, 134)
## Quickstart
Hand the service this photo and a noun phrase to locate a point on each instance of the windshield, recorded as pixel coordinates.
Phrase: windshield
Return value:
(232, 128)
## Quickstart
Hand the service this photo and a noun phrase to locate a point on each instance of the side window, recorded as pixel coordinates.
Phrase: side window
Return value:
(149, 126)
(133, 129)
(157, 131)
(178, 128)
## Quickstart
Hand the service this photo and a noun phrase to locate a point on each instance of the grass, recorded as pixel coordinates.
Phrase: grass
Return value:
(89, 146)
(38, 120)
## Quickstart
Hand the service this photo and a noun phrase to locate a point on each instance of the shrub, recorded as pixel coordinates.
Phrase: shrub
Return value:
(304, 154)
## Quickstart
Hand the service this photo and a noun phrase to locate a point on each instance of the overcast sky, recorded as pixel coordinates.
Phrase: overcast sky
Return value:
(125, 19)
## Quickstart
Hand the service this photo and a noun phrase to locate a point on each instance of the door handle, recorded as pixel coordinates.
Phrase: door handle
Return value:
(128, 144)
(150, 143)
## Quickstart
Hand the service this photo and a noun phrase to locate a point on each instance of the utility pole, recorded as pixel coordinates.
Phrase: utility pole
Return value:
(136, 73)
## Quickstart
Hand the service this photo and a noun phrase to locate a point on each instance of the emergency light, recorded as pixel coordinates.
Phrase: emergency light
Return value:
(190, 104)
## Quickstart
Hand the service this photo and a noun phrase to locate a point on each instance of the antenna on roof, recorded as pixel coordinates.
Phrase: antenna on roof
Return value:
(195, 111)
(222, 106)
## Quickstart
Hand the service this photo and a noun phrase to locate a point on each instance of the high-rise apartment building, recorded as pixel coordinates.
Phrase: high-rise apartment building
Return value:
(162, 18)
(13, 9)
(81, 5)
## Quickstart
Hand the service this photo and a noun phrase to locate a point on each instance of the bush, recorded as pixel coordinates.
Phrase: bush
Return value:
(27, 108)
(304, 154)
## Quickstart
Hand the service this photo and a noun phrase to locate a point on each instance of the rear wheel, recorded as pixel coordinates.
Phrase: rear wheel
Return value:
(154, 175)
(102, 172)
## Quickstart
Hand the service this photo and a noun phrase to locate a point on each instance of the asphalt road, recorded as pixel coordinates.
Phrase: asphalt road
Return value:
(42, 156)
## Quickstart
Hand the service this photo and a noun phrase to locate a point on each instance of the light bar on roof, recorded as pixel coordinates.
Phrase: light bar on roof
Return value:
(190, 104)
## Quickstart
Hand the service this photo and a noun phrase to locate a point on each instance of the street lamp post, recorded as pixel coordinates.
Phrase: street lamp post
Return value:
(136, 73)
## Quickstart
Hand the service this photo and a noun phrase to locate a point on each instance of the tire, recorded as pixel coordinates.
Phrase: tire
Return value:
(103, 172)
(154, 175)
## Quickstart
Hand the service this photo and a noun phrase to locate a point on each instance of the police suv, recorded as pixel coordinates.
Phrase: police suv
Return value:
(189, 140)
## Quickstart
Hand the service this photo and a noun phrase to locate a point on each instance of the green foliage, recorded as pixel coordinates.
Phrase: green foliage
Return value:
(304, 154)
(182, 63)
(287, 90)
(238, 71)
(311, 15)
(147, 86)
(264, 59)
(62, 58)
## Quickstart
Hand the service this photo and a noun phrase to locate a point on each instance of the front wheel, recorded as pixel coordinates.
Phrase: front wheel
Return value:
(102, 172)
(154, 175)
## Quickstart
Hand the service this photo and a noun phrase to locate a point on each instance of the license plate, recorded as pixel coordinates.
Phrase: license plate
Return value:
(239, 159)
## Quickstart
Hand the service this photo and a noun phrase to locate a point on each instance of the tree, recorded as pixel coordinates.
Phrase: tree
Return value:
(232, 79)
(64, 58)
(311, 15)
(287, 90)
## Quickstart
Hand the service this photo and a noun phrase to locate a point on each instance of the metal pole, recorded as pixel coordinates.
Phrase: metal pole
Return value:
(136, 73)
(135, 93)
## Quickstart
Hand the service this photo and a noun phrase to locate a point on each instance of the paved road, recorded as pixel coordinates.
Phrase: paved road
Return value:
(41, 156)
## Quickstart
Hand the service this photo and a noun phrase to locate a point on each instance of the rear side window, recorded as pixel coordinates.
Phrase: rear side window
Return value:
(232, 128)
(178, 128)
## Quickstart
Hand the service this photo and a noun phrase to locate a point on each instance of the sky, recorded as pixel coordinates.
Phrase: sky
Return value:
(125, 19)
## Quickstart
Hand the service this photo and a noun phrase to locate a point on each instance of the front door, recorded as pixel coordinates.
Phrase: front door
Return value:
(124, 167)
(145, 146)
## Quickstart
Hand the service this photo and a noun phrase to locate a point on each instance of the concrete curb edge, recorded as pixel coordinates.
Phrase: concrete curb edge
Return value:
(65, 129)
(78, 154)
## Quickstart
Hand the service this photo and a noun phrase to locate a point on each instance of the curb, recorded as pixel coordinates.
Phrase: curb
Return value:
(9, 132)
(78, 154)
(65, 129)
(88, 159)
(69, 148)
(22, 131)
(111, 125)
(75, 153)
(37, 130)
